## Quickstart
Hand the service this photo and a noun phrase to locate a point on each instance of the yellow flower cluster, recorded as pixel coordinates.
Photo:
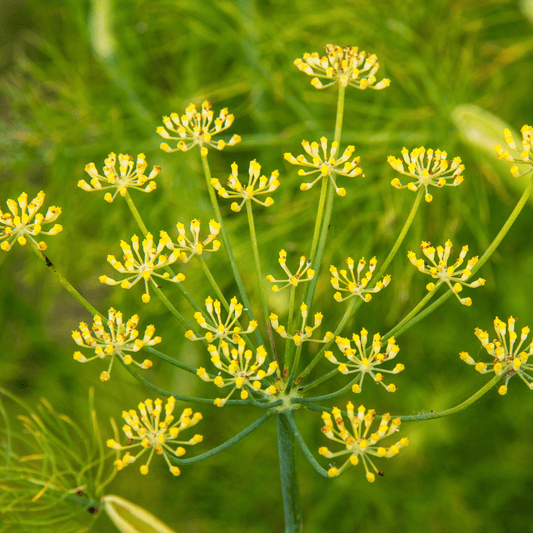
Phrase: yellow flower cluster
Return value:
(121, 340)
(365, 360)
(23, 222)
(138, 267)
(429, 168)
(244, 374)
(509, 357)
(447, 273)
(342, 65)
(293, 279)
(197, 128)
(307, 331)
(151, 432)
(257, 185)
(341, 281)
(221, 331)
(130, 175)
(359, 443)
(196, 246)
(522, 156)
(326, 164)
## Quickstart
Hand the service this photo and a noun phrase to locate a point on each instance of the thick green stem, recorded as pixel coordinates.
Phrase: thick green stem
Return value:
(289, 478)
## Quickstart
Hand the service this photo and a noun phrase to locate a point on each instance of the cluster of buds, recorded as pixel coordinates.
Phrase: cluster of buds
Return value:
(326, 165)
(220, 330)
(121, 340)
(429, 168)
(243, 374)
(449, 274)
(23, 222)
(359, 443)
(144, 268)
(365, 360)
(295, 279)
(305, 334)
(521, 156)
(196, 128)
(157, 432)
(130, 175)
(508, 357)
(189, 248)
(257, 185)
(342, 282)
(342, 65)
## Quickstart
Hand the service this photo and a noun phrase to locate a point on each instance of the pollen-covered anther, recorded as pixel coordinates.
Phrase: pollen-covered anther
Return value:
(346, 66)
(196, 128)
(326, 164)
(430, 168)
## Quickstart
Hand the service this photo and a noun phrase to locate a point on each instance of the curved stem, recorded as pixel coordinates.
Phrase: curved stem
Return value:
(224, 446)
(227, 245)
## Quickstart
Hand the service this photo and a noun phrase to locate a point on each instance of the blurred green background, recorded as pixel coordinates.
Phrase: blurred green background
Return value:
(80, 79)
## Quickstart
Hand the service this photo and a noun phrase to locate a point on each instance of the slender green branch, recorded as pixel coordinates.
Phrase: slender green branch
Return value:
(322, 379)
(329, 396)
(173, 361)
(457, 409)
(213, 282)
(308, 455)
(135, 213)
(227, 245)
(244, 433)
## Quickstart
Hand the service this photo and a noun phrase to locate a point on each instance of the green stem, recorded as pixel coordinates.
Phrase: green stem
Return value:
(289, 345)
(135, 213)
(227, 245)
(319, 381)
(72, 291)
(289, 477)
(224, 446)
(257, 260)
(457, 409)
(213, 282)
(173, 361)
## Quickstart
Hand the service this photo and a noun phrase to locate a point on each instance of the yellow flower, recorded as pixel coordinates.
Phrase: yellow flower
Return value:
(150, 432)
(221, 331)
(521, 156)
(244, 374)
(326, 165)
(342, 282)
(508, 357)
(365, 360)
(305, 334)
(121, 340)
(23, 222)
(138, 267)
(447, 274)
(257, 185)
(358, 443)
(429, 168)
(129, 176)
(197, 128)
(196, 246)
(293, 279)
(342, 65)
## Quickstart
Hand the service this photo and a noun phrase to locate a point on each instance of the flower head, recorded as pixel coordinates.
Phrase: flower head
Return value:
(197, 128)
(326, 164)
(341, 281)
(429, 168)
(129, 176)
(359, 444)
(342, 65)
(138, 267)
(196, 246)
(508, 357)
(449, 274)
(242, 374)
(121, 340)
(521, 156)
(293, 279)
(365, 360)
(220, 330)
(306, 332)
(257, 185)
(150, 431)
(23, 222)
